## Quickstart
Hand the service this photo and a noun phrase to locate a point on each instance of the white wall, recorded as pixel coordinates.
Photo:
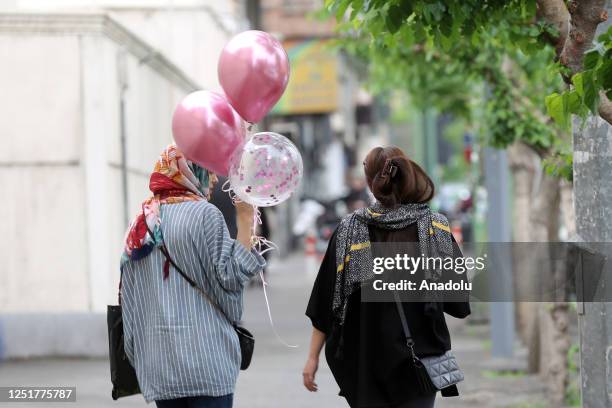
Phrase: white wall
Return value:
(224, 6)
(43, 217)
(191, 33)
(191, 38)
(61, 158)
(62, 212)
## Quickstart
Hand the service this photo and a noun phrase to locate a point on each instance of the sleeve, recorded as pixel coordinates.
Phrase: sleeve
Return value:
(232, 263)
(319, 308)
(459, 307)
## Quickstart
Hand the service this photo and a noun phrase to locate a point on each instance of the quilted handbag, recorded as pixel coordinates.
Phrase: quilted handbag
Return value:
(443, 370)
(432, 373)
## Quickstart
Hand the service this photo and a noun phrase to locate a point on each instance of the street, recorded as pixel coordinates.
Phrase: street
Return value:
(274, 378)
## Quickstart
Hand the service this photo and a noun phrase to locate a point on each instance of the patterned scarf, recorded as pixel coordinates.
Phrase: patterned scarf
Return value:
(174, 180)
(353, 253)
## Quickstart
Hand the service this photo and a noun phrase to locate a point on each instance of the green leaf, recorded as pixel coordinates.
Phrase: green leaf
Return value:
(394, 19)
(406, 6)
(341, 10)
(590, 60)
(604, 73)
(445, 42)
(591, 92)
(528, 9)
(446, 25)
(356, 8)
(469, 27)
(605, 37)
(554, 107)
(573, 101)
(578, 85)
(433, 11)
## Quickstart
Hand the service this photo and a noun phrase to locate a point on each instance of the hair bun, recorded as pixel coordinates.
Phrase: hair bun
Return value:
(395, 179)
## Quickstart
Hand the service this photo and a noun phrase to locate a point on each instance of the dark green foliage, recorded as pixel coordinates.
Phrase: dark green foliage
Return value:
(487, 61)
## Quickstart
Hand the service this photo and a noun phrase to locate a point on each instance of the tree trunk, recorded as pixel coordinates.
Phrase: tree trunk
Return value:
(555, 341)
(544, 228)
(552, 318)
(555, 317)
(524, 165)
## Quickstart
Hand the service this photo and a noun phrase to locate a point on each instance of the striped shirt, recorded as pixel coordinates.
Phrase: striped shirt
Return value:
(179, 344)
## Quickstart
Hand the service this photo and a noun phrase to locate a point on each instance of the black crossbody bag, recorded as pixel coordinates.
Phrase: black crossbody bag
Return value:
(434, 373)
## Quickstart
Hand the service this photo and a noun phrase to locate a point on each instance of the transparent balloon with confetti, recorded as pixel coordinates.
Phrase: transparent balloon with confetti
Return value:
(265, 170)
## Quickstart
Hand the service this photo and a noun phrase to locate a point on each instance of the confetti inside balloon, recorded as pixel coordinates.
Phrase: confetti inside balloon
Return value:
(266, 170)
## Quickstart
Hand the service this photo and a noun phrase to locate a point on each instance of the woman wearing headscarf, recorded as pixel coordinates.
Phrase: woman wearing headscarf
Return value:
(184, 350)
(365, 342)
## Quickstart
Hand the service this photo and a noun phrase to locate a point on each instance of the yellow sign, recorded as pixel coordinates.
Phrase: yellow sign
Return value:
(313, 84)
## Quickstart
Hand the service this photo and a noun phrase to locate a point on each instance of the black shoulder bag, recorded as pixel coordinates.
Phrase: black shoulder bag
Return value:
(245, 338)
(123, 375)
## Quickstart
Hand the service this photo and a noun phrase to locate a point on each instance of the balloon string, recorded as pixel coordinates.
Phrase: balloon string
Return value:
(256, 220)
(261, 245)
(278, 337)
(260, 242)
(264, 243)
(226, 188)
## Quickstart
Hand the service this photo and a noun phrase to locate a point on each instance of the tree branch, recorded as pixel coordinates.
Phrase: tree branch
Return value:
(585, 17)
(555, 13)
(605, 107)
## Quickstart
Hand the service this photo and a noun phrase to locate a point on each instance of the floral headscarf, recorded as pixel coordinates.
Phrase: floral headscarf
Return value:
(174, 180)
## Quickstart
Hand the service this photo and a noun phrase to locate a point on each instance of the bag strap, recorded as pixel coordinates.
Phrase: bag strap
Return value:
(191, 282)
(120, 284)
(407, 334)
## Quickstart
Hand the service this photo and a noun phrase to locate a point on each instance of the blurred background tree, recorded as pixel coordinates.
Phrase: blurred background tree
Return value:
(505, 69)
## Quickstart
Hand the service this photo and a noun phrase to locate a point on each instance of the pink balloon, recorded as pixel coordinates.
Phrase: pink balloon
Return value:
(207, 130)
(253, 71)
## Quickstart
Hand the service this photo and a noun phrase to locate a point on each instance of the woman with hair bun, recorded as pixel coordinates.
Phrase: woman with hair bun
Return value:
(366, 342)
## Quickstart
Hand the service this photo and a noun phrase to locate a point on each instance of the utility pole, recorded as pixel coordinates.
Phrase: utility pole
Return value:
(497, 182)
(593, 207)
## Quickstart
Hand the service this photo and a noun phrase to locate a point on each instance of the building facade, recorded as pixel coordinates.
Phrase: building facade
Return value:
(89, 88)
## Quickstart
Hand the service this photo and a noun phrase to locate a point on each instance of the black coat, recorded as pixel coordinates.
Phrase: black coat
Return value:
(373, 368)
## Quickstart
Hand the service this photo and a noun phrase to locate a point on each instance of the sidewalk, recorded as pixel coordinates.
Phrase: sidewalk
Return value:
(274, 378)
